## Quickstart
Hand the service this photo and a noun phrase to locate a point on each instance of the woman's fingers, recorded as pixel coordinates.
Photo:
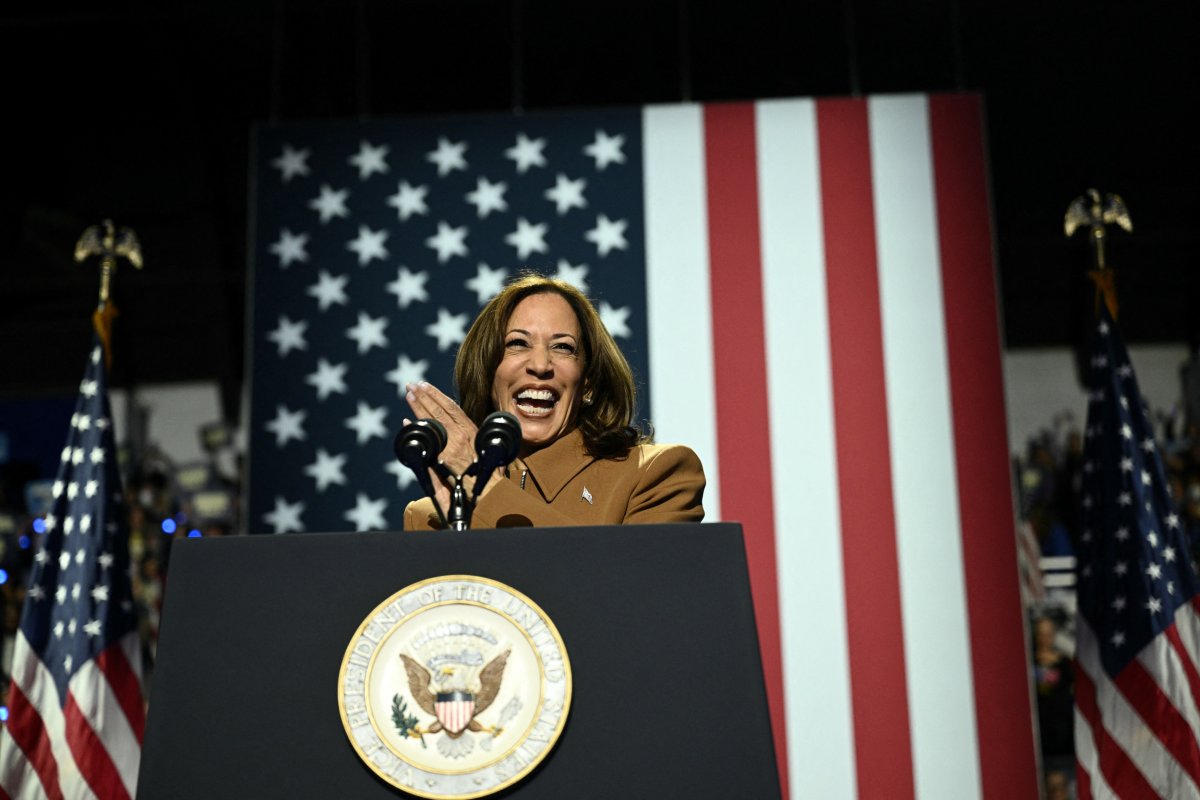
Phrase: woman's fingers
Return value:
(427, 398)
(428, 402)
(419, 402)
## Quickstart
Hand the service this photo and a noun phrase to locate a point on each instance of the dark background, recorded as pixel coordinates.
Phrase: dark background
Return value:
(141, 112)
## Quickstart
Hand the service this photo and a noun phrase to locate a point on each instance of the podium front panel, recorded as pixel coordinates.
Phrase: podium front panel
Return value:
(657, 621)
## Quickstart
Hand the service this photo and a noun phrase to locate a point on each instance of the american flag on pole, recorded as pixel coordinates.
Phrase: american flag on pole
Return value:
(1137, 723)
(806, 292)
(75, 705)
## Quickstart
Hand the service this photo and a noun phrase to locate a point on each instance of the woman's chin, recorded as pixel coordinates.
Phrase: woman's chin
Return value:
(538, 433)
(532, 441)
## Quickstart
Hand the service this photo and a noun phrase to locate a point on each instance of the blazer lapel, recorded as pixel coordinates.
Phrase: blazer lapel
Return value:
(553, 467)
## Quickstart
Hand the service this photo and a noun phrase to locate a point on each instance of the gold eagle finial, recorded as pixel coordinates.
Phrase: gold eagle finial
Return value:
(109, 243)
(1097, 212)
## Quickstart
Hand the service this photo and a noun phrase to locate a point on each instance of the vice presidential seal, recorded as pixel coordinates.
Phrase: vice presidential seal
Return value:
(454, 687)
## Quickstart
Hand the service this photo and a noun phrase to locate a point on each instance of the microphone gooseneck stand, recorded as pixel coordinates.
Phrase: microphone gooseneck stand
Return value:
(496, 446)
(419, 444)
(459, 518)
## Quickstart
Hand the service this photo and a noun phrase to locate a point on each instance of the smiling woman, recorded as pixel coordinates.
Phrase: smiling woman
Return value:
(540, 351)
(540, 376)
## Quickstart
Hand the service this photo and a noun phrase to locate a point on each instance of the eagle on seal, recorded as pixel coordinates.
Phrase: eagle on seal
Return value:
(456, 710)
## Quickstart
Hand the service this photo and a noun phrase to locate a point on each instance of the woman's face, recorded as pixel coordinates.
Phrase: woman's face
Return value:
(540, 377)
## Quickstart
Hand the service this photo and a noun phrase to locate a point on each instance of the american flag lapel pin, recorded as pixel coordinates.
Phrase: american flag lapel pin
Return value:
(587, 495)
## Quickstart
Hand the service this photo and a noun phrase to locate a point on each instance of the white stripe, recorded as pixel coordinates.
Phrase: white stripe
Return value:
(1088, 760)
(104, 714)
(38, 686)
(812, 612)
(1158, 767)
(131, 646)
(1187, 623)
(1162, 662)
(924, 475)
(17, 776)
(682, 387)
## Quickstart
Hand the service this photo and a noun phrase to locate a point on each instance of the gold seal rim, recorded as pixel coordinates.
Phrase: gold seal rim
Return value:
(518, 775)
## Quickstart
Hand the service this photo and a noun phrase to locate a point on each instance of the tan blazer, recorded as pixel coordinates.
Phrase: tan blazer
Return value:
(562, 485)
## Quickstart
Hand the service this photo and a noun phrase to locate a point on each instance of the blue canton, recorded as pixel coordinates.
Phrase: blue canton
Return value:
(80, 596)
(1134, 568)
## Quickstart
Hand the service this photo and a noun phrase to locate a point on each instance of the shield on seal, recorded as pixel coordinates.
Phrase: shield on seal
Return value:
(455, 710)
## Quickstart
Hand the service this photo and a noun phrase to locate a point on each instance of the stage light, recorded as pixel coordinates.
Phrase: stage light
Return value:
(168, 525)
(3, 576)
(23, 542)
(194, 534)
(39, 525)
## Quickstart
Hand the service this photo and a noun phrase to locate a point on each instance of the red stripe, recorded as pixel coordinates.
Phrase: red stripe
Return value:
(740, 373)
(1083, 783)
(1142, 692)
(1121, 774)
(1003, 717)
(91, 756)
(125, 686)
(873, 622)
(28, 732)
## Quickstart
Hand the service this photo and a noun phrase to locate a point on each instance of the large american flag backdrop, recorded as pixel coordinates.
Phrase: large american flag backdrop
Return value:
(1137, 675)
(806, 291)
(76, 713)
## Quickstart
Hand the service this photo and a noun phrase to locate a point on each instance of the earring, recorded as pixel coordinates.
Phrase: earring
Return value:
(587, 399)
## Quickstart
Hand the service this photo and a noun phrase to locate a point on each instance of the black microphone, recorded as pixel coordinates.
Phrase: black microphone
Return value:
(496, 444)
(418, 444)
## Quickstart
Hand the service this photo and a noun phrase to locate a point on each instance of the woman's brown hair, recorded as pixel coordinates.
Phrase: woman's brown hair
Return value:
(607, 422)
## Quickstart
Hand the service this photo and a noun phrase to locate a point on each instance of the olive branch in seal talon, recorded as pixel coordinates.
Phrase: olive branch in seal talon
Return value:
(406, 724)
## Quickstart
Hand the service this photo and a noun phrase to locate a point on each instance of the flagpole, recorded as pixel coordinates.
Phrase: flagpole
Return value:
(1096, 212)
(108, 242)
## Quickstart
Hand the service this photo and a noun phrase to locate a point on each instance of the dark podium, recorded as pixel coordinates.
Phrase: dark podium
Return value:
(657, 620)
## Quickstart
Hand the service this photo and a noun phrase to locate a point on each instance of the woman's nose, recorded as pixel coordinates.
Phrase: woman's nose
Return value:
(539, 361)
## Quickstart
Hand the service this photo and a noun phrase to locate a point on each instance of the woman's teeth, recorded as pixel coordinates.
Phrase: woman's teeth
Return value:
(536, 402)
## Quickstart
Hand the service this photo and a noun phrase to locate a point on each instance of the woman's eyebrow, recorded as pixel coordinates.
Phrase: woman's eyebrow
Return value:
(552, 336)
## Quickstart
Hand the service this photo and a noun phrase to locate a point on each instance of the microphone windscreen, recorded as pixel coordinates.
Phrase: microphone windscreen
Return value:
(420, 441)
(439, 430)
(500, 432)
